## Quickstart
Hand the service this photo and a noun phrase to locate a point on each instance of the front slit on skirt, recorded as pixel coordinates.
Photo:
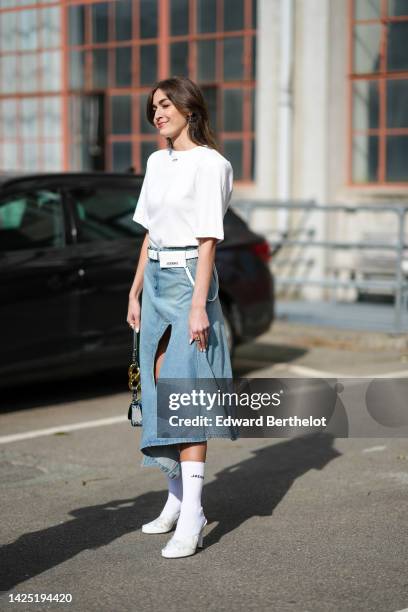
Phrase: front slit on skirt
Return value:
(166, 300)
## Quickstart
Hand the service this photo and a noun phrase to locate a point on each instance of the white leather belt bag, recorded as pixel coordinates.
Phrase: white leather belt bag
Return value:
(174, 259)
(177, 259)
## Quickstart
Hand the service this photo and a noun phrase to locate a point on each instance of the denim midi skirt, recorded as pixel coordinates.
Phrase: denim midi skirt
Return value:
(166, 300)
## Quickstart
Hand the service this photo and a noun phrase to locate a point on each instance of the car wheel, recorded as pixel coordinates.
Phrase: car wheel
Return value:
(229, 332)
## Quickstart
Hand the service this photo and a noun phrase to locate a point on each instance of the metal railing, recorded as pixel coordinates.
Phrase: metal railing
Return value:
(398, 285)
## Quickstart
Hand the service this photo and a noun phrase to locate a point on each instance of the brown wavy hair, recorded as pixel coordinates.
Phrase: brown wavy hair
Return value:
(187, 97)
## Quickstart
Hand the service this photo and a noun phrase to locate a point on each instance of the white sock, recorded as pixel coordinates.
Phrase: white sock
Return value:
(173, 503)
(191, 517)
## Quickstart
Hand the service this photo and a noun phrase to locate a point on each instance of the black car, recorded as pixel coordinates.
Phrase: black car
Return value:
(68, 254)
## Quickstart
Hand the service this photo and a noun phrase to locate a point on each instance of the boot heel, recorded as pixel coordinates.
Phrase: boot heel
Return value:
(200, 540)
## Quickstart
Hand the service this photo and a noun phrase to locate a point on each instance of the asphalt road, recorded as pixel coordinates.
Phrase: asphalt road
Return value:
(312, 523)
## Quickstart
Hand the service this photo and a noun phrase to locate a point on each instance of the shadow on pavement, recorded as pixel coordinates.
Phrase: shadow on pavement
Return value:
(44, 394)
(253, 487)
(258, 355)
(248, 357)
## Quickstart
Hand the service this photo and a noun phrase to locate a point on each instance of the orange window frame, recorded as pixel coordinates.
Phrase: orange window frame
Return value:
(382, 77)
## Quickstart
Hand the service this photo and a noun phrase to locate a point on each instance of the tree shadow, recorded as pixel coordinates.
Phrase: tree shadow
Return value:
(253, 487)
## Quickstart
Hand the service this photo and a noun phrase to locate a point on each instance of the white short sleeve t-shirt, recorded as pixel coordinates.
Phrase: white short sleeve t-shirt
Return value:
(184, 196)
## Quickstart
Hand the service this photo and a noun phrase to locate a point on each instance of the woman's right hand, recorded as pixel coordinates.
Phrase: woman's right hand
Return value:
(133, 316)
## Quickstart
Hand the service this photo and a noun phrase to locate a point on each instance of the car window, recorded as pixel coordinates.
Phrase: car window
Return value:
(105, 213)
(31, 220)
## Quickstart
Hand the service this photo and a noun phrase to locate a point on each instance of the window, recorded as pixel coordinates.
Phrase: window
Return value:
(105, 213)
(379, 92)
(122, 48)
(30, 84)
(31, 220)
(75, 77)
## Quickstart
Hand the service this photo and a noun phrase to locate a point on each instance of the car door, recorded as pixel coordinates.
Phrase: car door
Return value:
(38, 291)
(108, 244)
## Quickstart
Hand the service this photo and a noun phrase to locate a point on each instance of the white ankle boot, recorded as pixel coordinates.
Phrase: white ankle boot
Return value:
(184, 546)
(162, 524)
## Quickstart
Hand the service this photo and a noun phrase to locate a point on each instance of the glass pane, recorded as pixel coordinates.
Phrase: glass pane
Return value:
(105, 213)
(148, 18)
(30, 156)
(76, 25)
(367, 48)
(31, 220)
(179, 17)
(29, 109)
(206, 60)
(27, 30)
(8, 31)
(77, 135)
(100, 68)
(121, 118)
(148, 64)
(254, 13)
(8, 73)
(49, 70)
(253, 108)
(52, 117)
(206, 16)
(397, 56)
(100, 22)
(233, 55)
(179, 58)
(50, 25)
(233, 15)
(397, 103)
(121, 156)
(365, 105)
(145, 126)
(28, 72)
(253, 63)
(365, 159)
(123, 20)
(397, 155)
(232, 110)
(210, 96)
(77, 69)
(8, 119)
(10, 160)
(397, 8)
(123, 65)
(147, 148)
(52, 156)
(233, 152)
(367, 9)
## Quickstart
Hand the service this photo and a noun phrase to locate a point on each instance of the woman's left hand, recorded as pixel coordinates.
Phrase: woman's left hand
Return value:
(199, 326)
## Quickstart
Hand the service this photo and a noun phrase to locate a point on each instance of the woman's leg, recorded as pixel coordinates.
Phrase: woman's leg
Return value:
(194, 451)
(191, 520)
(174, 485)
(184, 492)
(161, 351)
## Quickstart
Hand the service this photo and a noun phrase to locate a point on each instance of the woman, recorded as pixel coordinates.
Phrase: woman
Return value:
(183, 200)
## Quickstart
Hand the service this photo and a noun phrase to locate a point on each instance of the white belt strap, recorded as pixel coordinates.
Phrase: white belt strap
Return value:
(193, 283)
(189, 275)
(153, 254)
